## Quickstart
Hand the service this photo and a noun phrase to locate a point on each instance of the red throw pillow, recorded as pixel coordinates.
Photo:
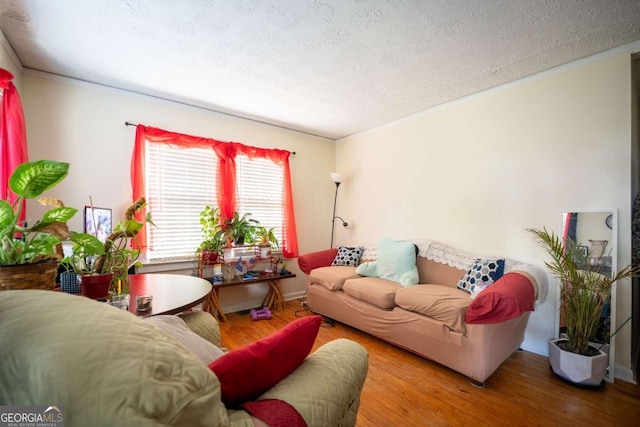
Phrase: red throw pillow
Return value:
(506, 299)
(249, 371)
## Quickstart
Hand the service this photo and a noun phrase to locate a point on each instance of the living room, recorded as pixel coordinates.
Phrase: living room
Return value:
(475, 172)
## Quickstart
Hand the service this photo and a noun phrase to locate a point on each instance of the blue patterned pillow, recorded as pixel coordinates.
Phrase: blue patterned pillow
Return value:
(487, 270)
(348, 256)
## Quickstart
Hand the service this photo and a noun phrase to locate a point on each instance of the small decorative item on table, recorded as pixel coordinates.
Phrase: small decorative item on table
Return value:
(120, 301)
(143, 302)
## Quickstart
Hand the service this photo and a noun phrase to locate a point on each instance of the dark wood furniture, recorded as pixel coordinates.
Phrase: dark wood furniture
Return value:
(274, 299)
(172, 293)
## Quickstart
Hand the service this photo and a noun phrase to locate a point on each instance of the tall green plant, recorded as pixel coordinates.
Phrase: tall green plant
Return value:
(210, 225)
(582, 292)
(91, 257)
(19, 243)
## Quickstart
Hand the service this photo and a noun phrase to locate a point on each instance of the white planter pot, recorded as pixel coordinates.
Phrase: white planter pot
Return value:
(587, 371)
(265, 251)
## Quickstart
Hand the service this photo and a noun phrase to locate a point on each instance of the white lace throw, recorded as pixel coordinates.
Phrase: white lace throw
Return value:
(462, 260)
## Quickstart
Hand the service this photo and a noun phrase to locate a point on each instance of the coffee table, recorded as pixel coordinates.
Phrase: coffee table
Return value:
(172, 293)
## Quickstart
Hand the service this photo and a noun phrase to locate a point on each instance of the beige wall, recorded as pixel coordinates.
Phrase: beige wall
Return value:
(83, 124)
(477, 172)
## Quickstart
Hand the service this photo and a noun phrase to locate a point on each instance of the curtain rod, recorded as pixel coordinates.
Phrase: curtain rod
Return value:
(134, 124)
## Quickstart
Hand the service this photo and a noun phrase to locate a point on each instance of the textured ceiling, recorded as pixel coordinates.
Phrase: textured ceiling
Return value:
(326, 67)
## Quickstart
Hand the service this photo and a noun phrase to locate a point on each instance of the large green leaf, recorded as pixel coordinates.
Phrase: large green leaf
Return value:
(62, 214)
(31, 179)
(7, 215)
(91, 244)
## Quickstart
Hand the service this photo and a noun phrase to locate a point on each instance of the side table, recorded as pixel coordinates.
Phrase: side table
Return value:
(274, 299)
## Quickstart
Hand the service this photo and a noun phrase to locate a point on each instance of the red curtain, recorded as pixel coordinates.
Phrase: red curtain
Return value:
(226, 152)
(13, 136)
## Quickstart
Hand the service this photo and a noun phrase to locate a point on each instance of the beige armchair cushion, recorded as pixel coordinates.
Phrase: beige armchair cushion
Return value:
(102, 364)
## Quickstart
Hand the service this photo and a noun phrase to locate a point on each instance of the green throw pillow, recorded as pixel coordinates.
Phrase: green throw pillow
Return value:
(369, 269)
(397, 261)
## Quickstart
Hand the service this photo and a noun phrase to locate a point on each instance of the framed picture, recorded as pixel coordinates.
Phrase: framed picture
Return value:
(97, 222)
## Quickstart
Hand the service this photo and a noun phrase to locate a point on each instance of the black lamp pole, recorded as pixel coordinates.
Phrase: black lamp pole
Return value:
(333, 218)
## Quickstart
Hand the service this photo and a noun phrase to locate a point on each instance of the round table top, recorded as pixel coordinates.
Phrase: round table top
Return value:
(172, 293)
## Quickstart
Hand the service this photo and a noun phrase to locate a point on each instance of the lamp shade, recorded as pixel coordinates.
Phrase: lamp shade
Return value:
(337, 177)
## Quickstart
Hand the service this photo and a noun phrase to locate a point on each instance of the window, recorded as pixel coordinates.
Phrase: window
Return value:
(259, 191)
(179, 174)
(180, 182)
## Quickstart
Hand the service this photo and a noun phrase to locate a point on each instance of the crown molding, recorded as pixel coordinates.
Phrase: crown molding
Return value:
(12, 54)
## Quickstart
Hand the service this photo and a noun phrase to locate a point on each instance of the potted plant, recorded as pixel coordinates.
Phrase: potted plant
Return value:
(583, 294)
(212, 239)
(29, 255)
(100, 265)
(265, 239)
(239, 229)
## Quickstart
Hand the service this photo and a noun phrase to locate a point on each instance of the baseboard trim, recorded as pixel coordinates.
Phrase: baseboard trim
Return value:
(624, 373)
(255, 303)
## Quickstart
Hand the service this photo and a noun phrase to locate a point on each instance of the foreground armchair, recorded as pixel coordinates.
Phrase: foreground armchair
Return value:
(105, 366)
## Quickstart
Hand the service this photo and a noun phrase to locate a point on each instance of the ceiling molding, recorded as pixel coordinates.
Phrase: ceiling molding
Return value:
(12, 54)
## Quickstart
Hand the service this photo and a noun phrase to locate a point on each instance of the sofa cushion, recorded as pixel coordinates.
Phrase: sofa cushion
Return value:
(178, 329)
(482, 270)
(376, 291)
(332, 278)
(443, 303)
(348, 256)
(249, 371)
(397, 261)
(506, 299)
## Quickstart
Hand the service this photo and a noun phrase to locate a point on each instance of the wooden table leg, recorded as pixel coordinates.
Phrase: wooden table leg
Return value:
(274, 298)
(212, 305)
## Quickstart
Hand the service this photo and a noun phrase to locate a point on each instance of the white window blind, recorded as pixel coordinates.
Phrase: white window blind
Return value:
(180, 182)
(259, 185)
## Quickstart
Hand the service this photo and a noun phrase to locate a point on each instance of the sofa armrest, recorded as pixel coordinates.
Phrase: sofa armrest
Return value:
(308, 262)
(506, 299)
(325, 389)
(203, 324)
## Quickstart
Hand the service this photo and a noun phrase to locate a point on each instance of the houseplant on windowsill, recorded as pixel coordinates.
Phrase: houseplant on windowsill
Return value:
(102, 267)
(583, 294)
(240, 229)
(266, 239)
(212, 239)
(29, 256)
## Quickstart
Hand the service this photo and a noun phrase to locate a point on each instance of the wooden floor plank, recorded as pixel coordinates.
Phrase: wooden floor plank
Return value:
(403, 389)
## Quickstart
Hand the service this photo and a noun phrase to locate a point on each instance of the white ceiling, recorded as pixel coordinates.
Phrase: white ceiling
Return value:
(326, 67)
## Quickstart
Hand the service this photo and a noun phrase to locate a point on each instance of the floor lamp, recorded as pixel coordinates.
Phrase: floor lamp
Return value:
(337, 178)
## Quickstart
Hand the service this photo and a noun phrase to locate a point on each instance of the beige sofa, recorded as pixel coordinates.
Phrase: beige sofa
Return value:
(105, 367)
(434, 318)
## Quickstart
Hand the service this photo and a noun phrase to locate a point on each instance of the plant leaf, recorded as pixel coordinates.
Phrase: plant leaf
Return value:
(31, 179)
(92, 245)
(7, 215)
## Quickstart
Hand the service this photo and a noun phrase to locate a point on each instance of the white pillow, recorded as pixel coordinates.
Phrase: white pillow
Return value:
(177, 328)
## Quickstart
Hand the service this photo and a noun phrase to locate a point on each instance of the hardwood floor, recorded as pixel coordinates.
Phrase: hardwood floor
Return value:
(403, 389)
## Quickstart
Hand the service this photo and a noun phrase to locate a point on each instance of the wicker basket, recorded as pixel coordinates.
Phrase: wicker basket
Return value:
(41, 275)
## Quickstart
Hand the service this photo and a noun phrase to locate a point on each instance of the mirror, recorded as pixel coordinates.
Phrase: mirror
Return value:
(595, 232)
